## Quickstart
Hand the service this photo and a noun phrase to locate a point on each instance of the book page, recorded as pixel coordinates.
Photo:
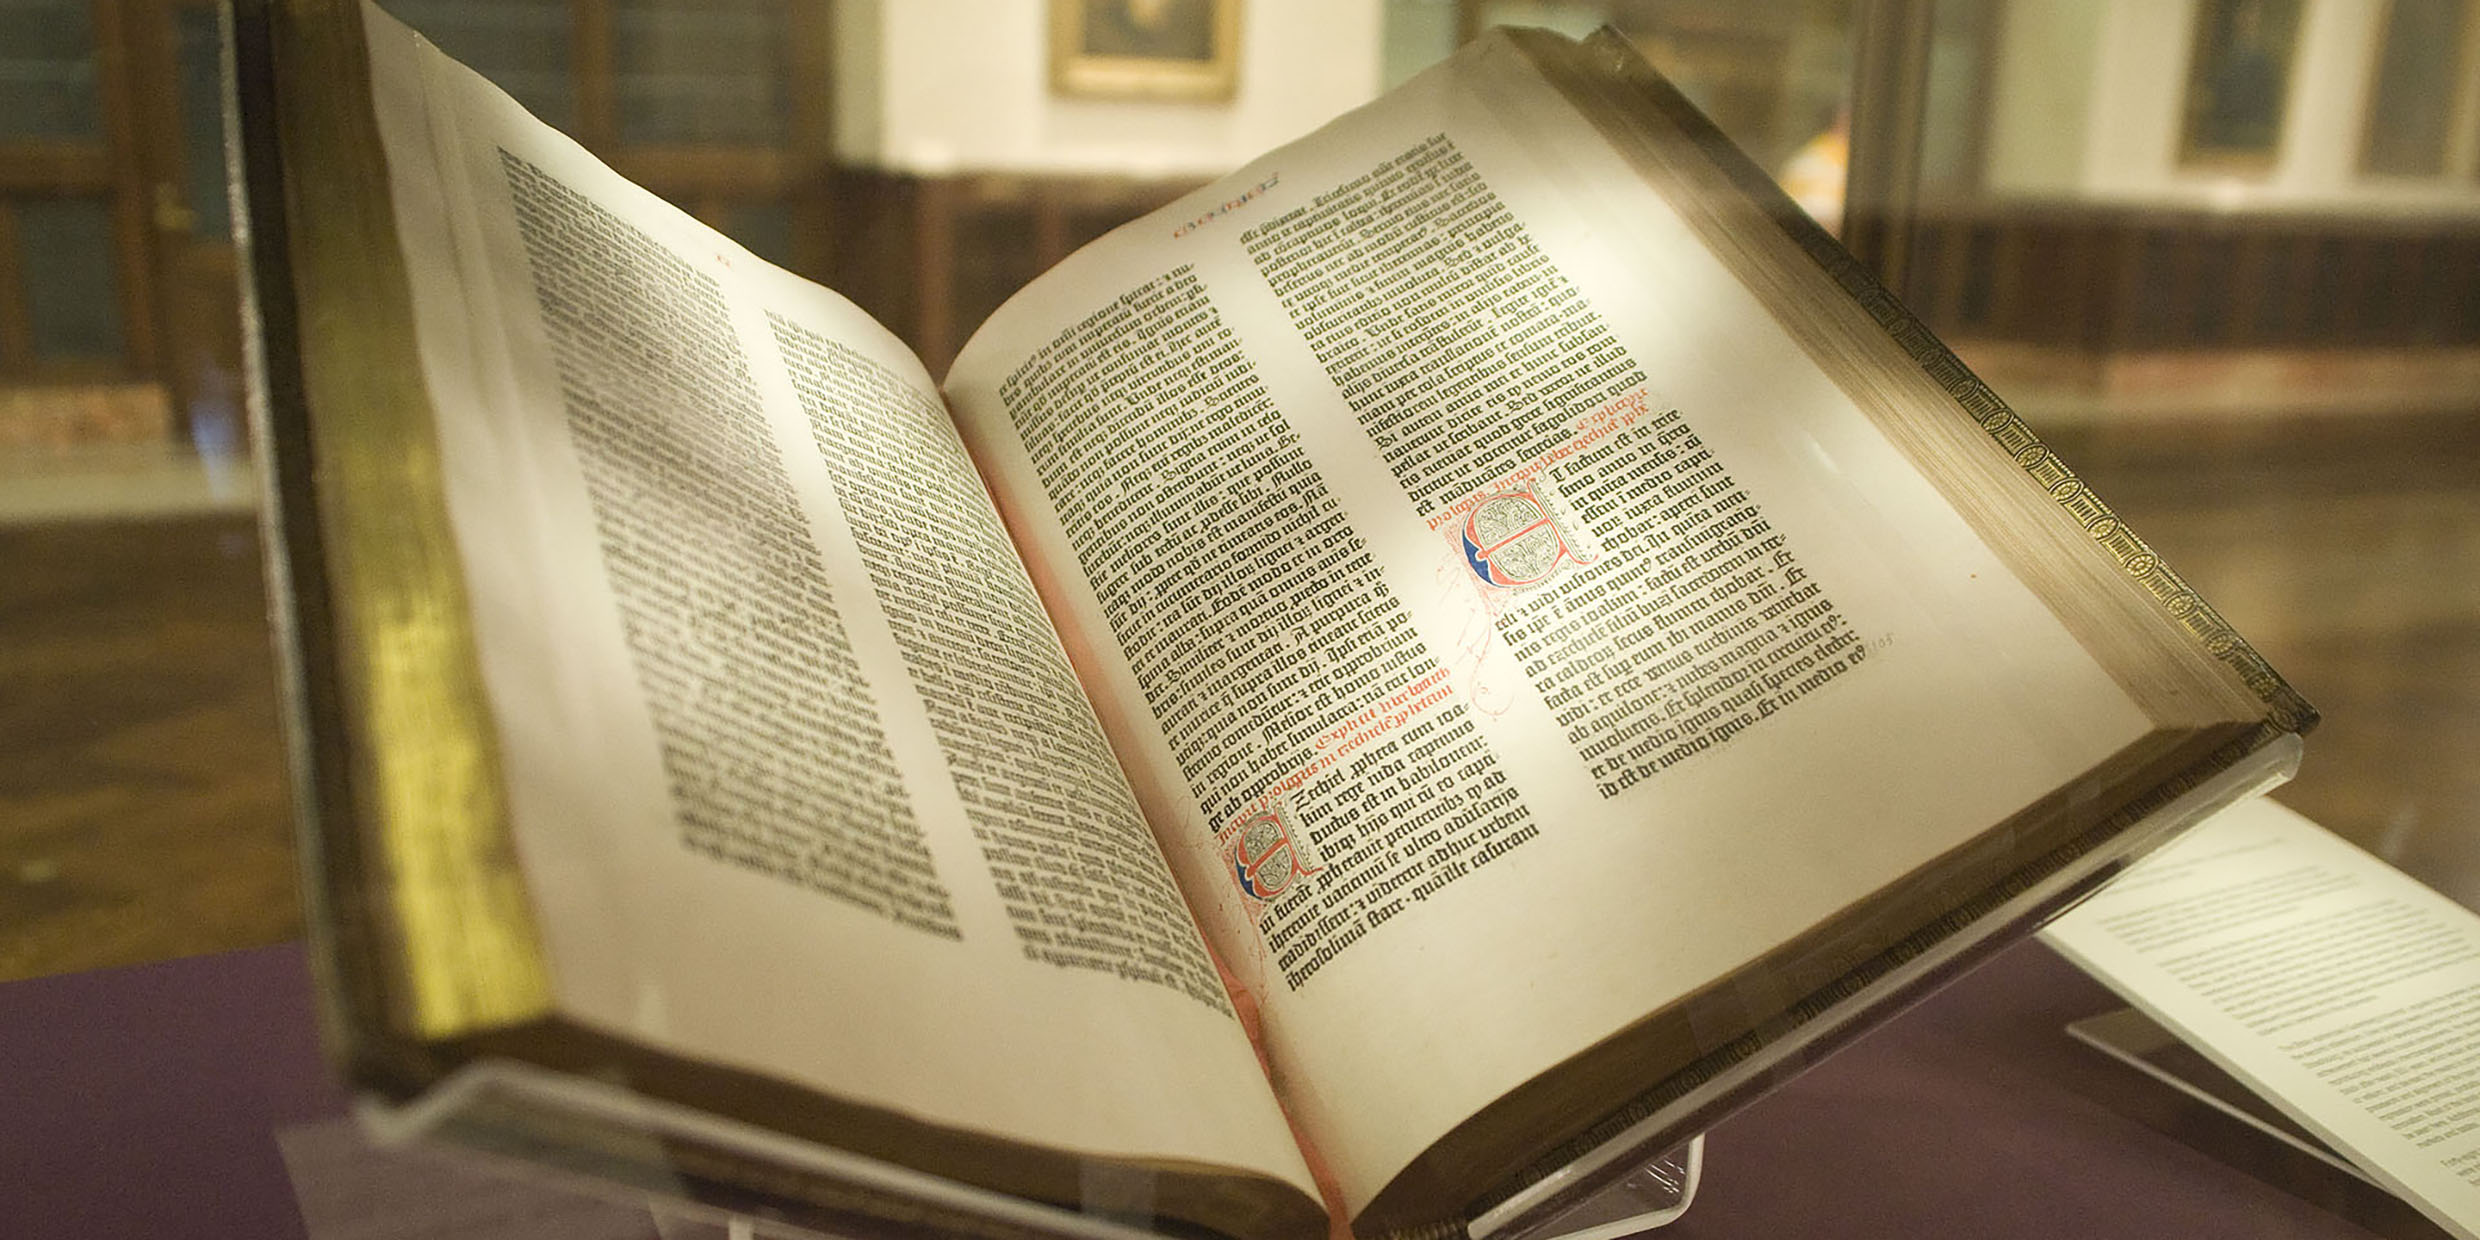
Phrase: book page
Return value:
(800, 778)
(2336, 987)
(1508, 628)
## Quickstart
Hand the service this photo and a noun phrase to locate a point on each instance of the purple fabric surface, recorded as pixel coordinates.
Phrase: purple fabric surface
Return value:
(144, 1102)
(1975, 1115)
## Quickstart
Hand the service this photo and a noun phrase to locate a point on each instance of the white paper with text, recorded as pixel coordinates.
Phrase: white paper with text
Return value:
(2337, 987)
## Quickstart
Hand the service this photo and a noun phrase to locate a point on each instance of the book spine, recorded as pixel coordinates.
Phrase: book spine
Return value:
(413, 827)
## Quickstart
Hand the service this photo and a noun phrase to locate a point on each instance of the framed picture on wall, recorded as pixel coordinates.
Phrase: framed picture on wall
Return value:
(1145, 49)
(2416, 88)
(2239, 82)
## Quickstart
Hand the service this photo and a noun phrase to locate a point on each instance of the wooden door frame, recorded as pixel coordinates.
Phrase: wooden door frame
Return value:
(179, 260)
(107, 168)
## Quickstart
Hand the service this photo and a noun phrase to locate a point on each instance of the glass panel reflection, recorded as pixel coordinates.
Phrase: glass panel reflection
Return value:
(1775, 77)
(65, 259)
(2268, 358)
(764, 227)
(525, 46)
(47, 70)
(702, 71)
(199, 52)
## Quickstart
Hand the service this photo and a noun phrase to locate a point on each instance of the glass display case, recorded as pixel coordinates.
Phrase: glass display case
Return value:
(2221, 256)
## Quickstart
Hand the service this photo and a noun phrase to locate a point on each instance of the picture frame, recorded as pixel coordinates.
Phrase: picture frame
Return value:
(2238, 89)
(2416, 92)
(1164, 50)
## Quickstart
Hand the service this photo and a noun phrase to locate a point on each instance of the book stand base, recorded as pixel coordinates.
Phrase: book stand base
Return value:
(601, 1139)
(563, 1144)
(1653, 1195)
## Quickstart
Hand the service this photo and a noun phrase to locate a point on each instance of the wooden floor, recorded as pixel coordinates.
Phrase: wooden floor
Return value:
(142, 808)
(2349, 553)
(142, 803)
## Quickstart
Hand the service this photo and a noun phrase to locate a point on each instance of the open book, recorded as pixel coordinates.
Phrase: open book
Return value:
(1487, 574)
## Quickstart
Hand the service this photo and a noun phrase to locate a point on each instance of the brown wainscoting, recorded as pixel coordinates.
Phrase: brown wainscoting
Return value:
(2055, 386)
(2096, 278)
(931, 256)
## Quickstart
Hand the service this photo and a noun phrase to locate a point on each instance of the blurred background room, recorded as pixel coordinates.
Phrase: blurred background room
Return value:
(2225, 254)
